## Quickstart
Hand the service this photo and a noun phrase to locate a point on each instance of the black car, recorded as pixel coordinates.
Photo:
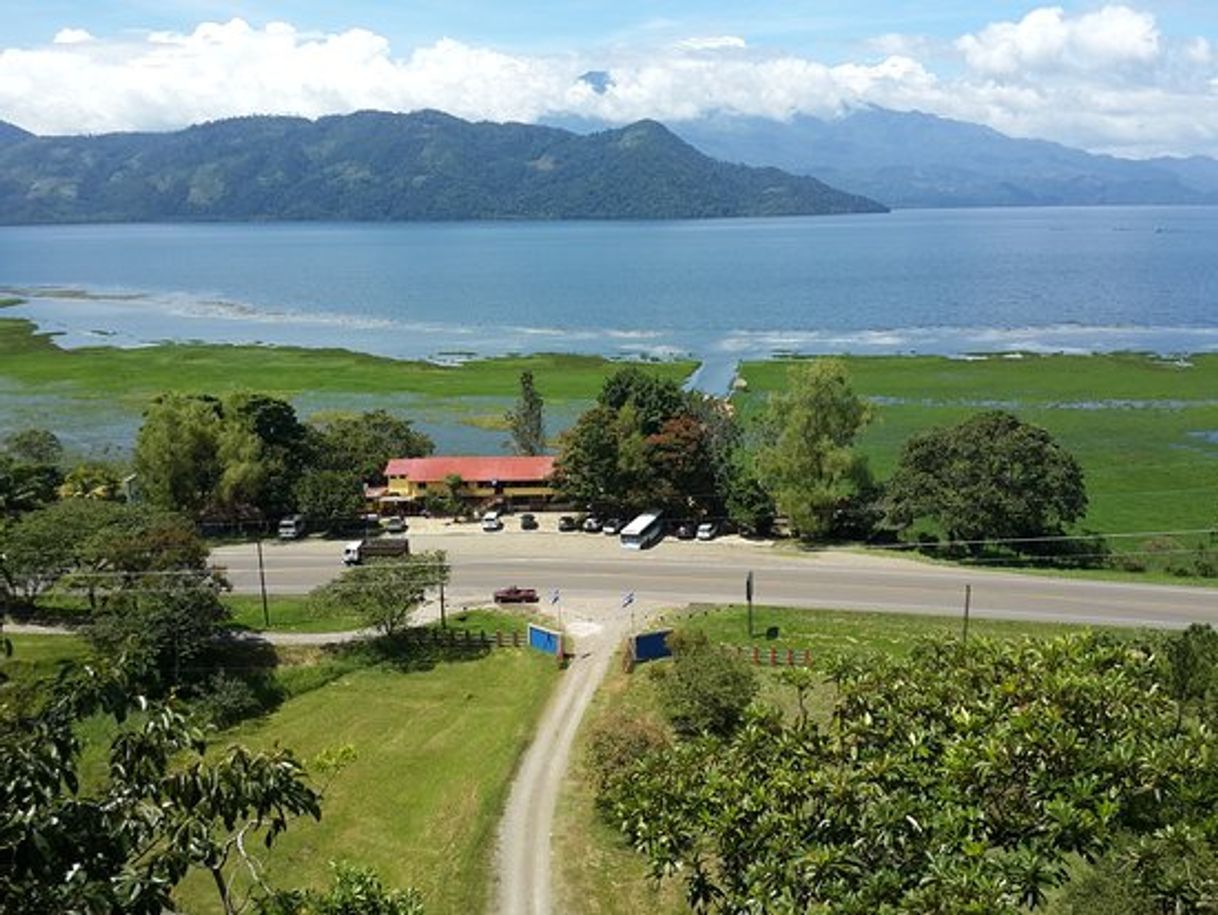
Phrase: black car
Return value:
(567, 523)
(687, 530)
(612, 526)
(528, 522)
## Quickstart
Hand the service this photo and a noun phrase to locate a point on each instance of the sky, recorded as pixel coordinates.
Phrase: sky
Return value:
(1137, 78)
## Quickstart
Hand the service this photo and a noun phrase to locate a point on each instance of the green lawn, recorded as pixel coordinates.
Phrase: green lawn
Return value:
(288, 613)
(435, 751)
(1143, 428)
(39, 656)
(847, 630)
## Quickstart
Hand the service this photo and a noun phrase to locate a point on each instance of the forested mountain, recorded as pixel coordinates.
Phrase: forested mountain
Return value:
(380, 166)
(11, 133)
(910, 159)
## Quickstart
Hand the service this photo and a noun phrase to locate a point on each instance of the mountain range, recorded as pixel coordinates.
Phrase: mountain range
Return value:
(911, 159)
(380, 166)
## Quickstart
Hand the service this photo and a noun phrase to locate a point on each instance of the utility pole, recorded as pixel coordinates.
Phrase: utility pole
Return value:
(748, 596)
(443, 619)
(266, 613)
(968, 599)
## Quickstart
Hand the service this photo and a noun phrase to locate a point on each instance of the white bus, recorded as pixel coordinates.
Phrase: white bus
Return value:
(643, 531)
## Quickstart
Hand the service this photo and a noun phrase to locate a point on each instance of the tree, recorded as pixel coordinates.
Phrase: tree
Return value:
(654, 399)
(355, 891)
(25, 486)
(35, 446)
(176, 453)
(806, 461)
(387, 592)
(364, 443)
(586, 470)
(91, 480)
(525, 421)
(121, 844)
(992, 477)
(681, 465)
(954, 780)
(167, 629)
(330, 498)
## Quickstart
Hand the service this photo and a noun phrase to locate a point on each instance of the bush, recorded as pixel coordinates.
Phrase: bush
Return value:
(618, 740)
(704, 690)
(228, 700)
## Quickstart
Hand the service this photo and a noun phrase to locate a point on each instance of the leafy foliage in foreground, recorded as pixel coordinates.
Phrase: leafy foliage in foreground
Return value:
(954, 781)
(163, 810)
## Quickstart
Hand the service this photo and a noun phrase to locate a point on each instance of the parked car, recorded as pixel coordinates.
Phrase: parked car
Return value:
(515, 595)
(293, 527)
(613, 526)
(593, 524)
(528, 522)
(686, 530)
(492, 522)
(396, 525)
(708, 530)
(567, 523)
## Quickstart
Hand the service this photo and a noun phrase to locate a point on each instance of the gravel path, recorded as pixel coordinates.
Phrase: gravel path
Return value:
(523, 865)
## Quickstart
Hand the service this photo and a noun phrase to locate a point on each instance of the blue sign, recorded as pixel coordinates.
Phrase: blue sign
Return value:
(546, 640)
(651, 646)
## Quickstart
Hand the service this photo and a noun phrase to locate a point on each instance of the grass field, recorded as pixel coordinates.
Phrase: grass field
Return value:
(1145, 429)
(435, 750)
(288, 613)
(599, 873)
(38, 656)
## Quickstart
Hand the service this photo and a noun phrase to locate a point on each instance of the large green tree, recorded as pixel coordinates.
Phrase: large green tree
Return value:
(526, 421)
(176, 459)
(991, 477)
(330, 498)
(35, 446)
(386, 592)
(806, 460)
(363, 443)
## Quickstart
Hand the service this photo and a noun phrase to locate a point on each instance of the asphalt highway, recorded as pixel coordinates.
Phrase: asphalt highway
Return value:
(592, 574)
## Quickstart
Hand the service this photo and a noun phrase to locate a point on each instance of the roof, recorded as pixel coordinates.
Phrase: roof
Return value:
(503, 469)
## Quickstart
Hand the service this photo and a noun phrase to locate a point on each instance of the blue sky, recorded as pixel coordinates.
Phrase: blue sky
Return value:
(1132, 77)
(831, 29)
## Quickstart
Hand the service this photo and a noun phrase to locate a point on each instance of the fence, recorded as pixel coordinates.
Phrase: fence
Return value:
(473, 638)
(773, 657)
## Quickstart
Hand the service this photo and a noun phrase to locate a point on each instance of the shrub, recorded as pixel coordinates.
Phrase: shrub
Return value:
(705, 690)
(228, 700)
(618, 740)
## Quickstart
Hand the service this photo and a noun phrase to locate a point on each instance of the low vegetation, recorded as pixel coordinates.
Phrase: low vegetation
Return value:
(914, 774)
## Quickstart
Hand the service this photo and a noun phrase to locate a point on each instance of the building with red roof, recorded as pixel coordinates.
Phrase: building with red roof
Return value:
(515, 481)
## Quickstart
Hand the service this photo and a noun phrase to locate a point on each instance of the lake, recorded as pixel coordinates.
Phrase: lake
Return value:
(925, 281)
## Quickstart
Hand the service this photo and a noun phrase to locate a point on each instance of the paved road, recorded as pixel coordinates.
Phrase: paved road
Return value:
(593, 572)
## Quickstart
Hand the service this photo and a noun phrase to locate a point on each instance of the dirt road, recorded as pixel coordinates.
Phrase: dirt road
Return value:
(523, 872)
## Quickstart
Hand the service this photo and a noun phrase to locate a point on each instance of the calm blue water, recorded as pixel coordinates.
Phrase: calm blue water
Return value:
(913, 281)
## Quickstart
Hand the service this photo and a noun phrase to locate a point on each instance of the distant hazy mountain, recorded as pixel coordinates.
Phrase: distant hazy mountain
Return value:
(378, 166)
(919, 160)
(11, 133)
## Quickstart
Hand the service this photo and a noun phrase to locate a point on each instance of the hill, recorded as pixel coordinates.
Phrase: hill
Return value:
(11, 133)
(911, 159)
(380, 166)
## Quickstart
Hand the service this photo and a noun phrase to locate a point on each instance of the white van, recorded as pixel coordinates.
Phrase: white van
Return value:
(292, 527)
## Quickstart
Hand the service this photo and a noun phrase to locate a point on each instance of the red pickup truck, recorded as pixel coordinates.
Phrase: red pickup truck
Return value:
(514, 595)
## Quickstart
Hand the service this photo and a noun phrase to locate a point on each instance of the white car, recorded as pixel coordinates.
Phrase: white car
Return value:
(395, 525)
(492, 522)
(708, 530)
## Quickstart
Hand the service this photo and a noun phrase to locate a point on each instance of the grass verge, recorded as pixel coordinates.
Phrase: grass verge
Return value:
(435, 751)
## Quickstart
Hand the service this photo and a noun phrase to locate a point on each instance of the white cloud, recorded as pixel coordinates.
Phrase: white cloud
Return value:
(712, 43)
(71, 36)
(1105, 80)
(1047, 39)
